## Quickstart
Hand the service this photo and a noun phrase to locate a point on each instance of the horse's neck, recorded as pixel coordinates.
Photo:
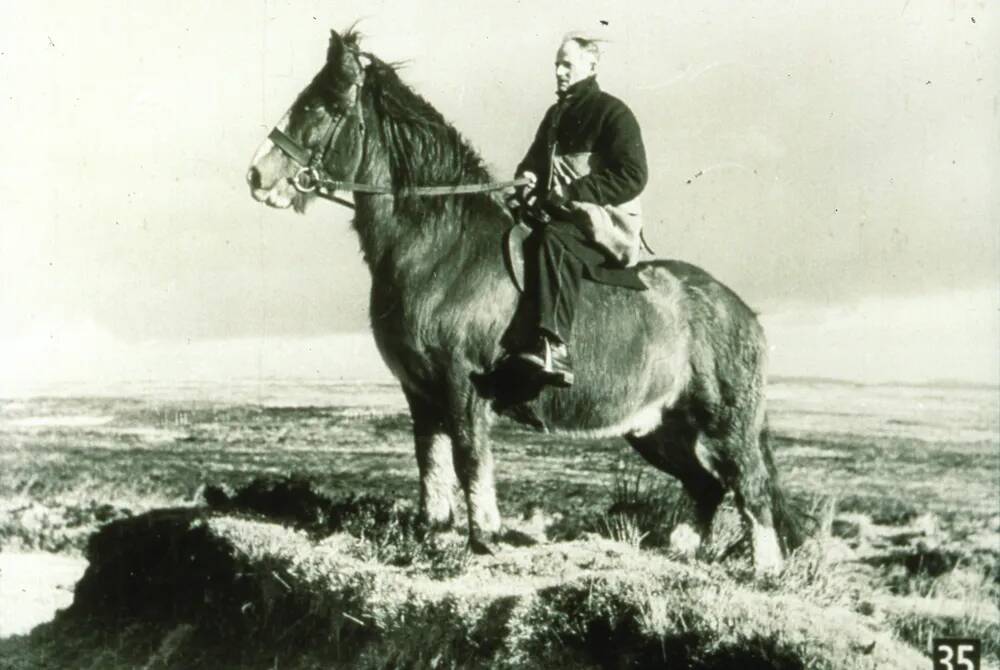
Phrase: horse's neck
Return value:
(404, 242)
(398, 243)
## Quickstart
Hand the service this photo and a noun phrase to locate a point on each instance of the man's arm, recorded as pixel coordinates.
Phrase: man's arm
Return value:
(536, 160)
(622, 174)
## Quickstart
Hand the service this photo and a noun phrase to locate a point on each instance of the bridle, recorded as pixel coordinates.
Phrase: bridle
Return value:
(312, 178)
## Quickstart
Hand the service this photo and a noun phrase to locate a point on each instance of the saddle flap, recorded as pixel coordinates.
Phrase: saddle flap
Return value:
(513, 253)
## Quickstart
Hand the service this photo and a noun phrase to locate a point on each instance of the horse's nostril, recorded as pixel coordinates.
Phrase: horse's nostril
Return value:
(253, 178)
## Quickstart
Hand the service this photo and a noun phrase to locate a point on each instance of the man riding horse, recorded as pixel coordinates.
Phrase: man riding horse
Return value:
(587, 167)
(685, 383)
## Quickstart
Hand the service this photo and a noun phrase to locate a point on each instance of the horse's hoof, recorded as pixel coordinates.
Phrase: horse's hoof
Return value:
(768, 573)
(520, 539)
(481, 547)
(685, 541)
(429, 526)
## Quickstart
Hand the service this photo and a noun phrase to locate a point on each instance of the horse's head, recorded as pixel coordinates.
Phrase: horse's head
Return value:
(320, 136)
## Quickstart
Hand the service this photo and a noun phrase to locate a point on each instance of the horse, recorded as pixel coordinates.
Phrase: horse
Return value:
(678, 370)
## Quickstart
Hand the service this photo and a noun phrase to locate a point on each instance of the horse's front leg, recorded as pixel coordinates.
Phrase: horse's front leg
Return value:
(469, 429)
(437, 473)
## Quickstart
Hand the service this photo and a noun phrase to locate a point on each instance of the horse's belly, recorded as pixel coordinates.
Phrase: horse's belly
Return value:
(631, 359)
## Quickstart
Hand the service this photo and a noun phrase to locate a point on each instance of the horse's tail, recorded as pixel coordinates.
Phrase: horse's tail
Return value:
(790, 519)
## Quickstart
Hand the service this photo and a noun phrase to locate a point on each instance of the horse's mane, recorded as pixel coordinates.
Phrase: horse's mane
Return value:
(419, 147)
(422, 148)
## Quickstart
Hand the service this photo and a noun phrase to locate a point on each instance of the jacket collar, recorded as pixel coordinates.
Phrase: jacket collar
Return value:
(580, 89)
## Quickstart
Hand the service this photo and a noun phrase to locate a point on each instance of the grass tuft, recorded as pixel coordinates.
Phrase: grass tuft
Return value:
(389, 532)
(642, 512)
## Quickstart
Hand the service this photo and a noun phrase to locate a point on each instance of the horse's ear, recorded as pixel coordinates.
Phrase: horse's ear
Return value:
(335, 52)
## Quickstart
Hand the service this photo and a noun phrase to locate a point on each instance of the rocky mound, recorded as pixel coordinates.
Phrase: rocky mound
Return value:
(250, 583)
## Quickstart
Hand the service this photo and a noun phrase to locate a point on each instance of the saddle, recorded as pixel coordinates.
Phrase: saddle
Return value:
(517, 235)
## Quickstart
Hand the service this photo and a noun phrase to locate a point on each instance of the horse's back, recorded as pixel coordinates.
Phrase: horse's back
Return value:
(709, 308)
(639, 352)
(697, 282)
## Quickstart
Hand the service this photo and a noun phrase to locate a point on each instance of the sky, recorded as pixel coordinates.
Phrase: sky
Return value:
(834, 163)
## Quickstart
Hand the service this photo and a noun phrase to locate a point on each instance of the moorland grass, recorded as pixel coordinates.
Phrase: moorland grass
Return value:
(195, 588)
(57, 487)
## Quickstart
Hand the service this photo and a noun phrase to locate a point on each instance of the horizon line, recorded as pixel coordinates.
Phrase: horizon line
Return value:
(66, 388)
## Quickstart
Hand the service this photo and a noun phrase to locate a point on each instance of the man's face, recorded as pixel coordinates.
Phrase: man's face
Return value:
(573, 64)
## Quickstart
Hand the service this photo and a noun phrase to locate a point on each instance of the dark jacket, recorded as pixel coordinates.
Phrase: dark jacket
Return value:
(586, 119)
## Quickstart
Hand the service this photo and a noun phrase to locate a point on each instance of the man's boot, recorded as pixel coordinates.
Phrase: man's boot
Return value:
(551, 360)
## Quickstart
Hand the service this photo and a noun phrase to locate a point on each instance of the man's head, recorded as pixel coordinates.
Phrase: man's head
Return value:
(576, 60)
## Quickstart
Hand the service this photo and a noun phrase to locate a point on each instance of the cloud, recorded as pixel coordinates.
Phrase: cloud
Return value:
(943, 336)
(128, 237)
(57, 355)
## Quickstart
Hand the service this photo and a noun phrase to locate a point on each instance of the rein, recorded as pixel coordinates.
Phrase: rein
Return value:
(308, 179)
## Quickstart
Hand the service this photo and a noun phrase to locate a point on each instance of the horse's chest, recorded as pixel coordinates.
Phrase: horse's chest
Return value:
(410, 346)
(428, 331)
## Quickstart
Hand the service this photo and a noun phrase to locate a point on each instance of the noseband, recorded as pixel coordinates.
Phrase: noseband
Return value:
(307, 179)
(311, 176)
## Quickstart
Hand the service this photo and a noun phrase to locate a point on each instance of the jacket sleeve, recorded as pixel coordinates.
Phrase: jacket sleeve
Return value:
(622, 173)
(537, 158)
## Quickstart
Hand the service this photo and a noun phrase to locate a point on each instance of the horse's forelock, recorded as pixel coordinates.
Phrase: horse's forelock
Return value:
(349, 41)
(344, 62)
(421, 148)
(352, 36)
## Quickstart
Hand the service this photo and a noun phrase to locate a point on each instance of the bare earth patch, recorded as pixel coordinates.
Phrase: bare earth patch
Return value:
(33, 586)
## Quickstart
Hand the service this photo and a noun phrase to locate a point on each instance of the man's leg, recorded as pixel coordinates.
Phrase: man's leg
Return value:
(558, 274)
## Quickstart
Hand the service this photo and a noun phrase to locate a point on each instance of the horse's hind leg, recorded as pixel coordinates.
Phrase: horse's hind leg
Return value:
(754, 496)
(674, 448)
(707, 492)
(434, 461)
(742, 456)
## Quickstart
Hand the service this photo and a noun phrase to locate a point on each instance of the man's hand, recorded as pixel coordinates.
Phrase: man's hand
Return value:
(525, 194)
(532, 180)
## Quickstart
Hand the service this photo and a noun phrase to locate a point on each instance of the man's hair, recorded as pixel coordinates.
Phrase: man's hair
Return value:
(591, 45)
